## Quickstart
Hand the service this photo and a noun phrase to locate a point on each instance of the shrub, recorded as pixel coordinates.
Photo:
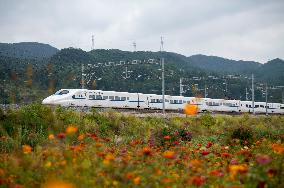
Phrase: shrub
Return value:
(207, 120)
(243, 133)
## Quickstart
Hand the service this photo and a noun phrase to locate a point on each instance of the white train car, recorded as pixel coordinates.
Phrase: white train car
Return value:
(112, 99)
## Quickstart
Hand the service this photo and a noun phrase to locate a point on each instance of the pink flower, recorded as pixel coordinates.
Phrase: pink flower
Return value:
(263, 159)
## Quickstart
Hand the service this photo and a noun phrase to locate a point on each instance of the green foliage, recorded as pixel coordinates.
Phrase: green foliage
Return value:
(207, 120)
(244, 134)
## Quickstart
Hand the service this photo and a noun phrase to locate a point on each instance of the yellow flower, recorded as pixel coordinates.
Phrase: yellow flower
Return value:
(71, 129)
(26, 149)
(115, 183)
(48, 164)
(234, 169)
(51, 137)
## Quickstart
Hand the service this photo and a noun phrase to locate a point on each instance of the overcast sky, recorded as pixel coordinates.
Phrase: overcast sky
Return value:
(236, 29)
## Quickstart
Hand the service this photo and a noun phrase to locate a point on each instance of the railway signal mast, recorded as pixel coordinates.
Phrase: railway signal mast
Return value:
(180, 87)
(163, 74)
(252, 93)
(134, 46)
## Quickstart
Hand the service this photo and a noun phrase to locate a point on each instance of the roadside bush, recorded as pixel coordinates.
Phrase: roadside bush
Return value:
(207, 120)
(244, 134)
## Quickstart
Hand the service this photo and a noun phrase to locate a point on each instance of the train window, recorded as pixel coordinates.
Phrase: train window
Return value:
(246, 105)
(123, 98)
(117, 98)
(98, 97)
(105, 97)
(256, 106)
(152, 100)
(167, 100)
(171, 101)
(180, 101)
(128, 98)
(111, 97)
(184, 101)
(282, 107)
(92, 96)
(62, 92)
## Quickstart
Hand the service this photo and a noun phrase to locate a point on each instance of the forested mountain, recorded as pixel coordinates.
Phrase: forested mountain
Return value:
(32, 76)
(222, 65)
(27, 50)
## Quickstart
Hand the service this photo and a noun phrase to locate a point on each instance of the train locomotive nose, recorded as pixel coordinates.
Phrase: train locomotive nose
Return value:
(46, 101)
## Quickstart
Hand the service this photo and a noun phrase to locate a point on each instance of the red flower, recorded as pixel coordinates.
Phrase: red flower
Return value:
(167, 137)
(205, 152)
(226, 155)
(263, 159)
(217, 173)
(198, 180)
(175, 142)
(61, 135)
(209, 144)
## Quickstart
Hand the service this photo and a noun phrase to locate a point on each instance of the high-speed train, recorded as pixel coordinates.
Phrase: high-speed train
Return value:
(112, 99)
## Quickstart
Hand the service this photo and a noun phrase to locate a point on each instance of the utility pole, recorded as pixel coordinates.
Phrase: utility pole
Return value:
(266, 99)
(180, 87)
(205, 91)
(163, 75)
(246, 94)
(252, 93)
(82, 76)
(93, 42)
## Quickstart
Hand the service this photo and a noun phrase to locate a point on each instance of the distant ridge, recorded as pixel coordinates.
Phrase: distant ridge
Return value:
(27, 50)
(219, 64)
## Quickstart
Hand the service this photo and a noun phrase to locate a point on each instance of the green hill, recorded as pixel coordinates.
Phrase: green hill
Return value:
(222, 77)
(27, 50)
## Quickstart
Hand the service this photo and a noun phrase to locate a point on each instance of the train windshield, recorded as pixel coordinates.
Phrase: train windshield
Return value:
(61, 92)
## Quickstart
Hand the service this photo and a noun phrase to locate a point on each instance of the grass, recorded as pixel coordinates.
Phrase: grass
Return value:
(43, 147)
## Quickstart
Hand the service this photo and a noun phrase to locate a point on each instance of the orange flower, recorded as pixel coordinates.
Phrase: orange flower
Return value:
(26, 149)
(190, 109)
(147, 151)
(278, 148)
(137, 180)
(166, 180)
(58, 184)
(129, 175)
(109, 157)
(51, 137)
(195, 163)
(71, 129)
(169, 154)
(81, 137)
(234, 169)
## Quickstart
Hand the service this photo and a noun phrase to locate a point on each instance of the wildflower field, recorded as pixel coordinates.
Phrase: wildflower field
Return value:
(44, 147)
